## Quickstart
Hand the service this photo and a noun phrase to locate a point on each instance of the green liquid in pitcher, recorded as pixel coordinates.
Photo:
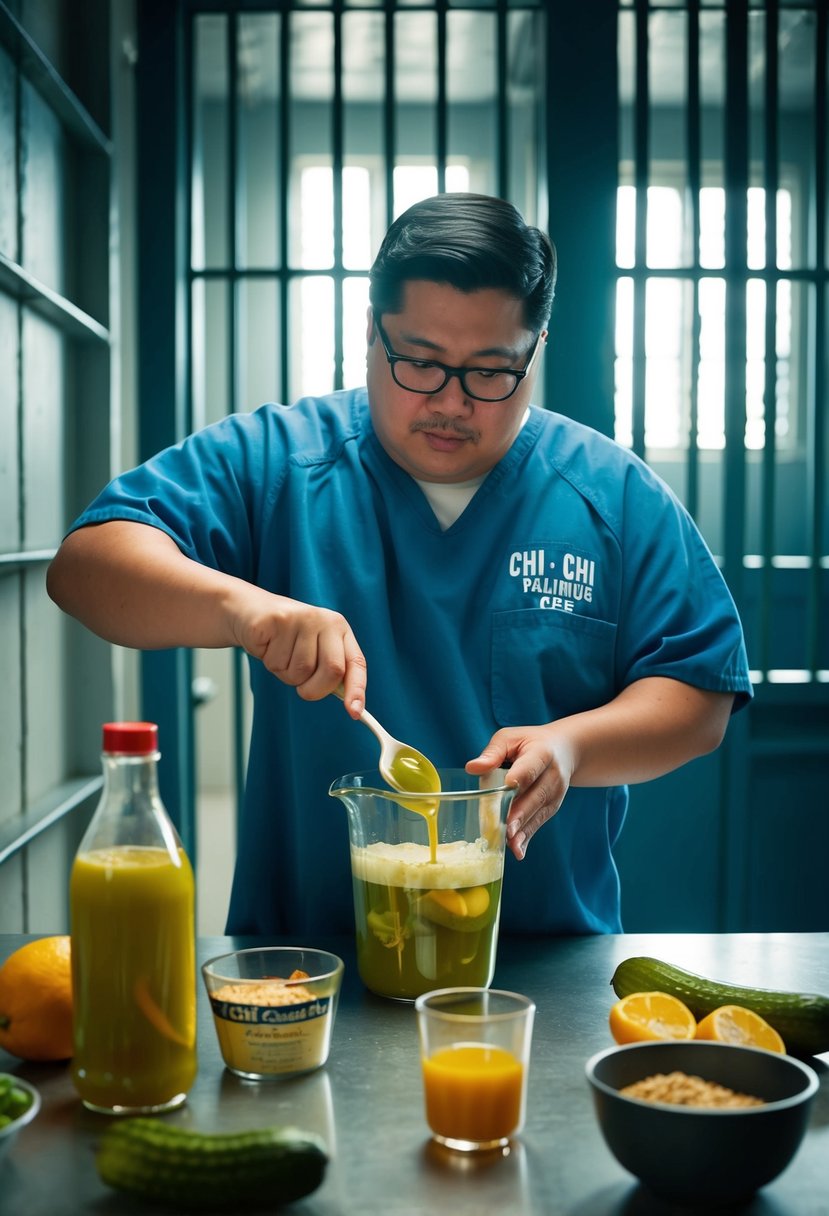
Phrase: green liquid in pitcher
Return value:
(425, 924)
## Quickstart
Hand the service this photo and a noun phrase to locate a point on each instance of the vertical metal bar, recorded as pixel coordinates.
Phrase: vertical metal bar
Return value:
(389, 115)
(693, 138)
(641, 175)
(184, 175)
(548, 86)
(19, 252)
(234, 286)
(232, 33)
(736, 227)
(166, 45)
(337, 184)
(734, 884)
(188, 123)
(20, 158)
(283, 187)
(816, 609)
(502, 116)
(442, 116)
(769, 466)
(581, 165)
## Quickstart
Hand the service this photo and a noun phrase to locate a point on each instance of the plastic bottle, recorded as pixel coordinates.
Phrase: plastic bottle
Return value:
(133, 940)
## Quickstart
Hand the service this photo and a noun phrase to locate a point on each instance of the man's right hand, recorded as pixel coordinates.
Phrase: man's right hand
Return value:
(310, 648)
(131, 584)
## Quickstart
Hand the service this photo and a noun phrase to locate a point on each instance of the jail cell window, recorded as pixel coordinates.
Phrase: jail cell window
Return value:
(669, 304)
(363, 217)
(414, 182)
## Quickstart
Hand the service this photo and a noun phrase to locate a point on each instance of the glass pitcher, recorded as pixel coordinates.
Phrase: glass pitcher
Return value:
(424, 924)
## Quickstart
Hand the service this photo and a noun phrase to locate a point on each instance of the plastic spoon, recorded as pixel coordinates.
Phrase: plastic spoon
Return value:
(404, 767)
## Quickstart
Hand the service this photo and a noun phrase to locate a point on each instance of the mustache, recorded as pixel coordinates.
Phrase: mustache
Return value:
(445, 424)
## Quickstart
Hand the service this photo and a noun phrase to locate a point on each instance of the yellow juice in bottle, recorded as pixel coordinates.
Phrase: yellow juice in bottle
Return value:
(133, 966)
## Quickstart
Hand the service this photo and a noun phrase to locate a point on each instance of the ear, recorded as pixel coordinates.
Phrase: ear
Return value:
(371, 330)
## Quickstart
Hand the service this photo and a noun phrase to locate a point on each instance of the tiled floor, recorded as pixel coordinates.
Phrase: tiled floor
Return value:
(216, 855)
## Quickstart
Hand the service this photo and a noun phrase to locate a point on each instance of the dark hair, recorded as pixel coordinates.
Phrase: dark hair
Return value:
(471, 242)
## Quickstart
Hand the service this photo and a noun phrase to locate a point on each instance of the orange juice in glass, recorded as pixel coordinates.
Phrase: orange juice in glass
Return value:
(475, 1049)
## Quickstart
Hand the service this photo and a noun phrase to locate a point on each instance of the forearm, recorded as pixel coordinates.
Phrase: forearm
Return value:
(650, 729)
(131, 584)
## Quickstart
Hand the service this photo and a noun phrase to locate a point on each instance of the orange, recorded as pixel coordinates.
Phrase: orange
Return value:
(474, 901)
(742, 1027)
(651, 1015)
(36, 1001)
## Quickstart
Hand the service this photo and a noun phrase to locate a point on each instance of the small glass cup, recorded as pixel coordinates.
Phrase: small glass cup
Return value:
(475, 1054)
(272, 1023)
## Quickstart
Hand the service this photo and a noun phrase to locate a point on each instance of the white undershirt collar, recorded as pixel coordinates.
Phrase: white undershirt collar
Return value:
(449, 501)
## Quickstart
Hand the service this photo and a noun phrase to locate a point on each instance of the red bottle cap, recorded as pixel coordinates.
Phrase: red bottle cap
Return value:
(131, 738)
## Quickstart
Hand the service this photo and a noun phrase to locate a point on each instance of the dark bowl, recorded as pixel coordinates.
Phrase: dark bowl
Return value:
(703, 1156)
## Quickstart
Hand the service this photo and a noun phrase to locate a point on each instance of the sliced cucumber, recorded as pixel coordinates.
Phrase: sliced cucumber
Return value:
(801, 1018)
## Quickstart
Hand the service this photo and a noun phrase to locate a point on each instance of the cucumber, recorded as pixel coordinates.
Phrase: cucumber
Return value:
(257, 1170)
(801, 1018)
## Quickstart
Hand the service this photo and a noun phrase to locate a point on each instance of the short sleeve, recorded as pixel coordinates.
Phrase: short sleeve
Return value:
(205, 493)
(677, 617)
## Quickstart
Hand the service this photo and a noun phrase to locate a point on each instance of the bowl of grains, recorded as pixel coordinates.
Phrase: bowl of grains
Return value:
(699, 1122)
(273, 1009)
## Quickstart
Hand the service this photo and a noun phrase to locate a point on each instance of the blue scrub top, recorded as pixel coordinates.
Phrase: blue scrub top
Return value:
(572, 572)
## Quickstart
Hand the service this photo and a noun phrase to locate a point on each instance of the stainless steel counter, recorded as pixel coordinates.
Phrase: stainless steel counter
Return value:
(367, 1101)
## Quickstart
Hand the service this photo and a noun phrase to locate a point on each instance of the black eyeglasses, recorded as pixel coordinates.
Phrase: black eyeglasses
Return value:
(428, 376)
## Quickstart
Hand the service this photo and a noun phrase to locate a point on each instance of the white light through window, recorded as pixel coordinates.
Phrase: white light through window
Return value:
(414, 182)
(360, 188)
(668, 324)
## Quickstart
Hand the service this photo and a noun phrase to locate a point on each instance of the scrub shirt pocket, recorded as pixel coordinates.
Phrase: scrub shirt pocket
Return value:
(548, 664)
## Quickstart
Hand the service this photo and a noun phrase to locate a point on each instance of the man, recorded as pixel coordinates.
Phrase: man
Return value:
(522, 591)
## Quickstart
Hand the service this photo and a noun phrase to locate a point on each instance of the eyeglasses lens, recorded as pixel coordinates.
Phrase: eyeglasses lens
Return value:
(429, 378)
